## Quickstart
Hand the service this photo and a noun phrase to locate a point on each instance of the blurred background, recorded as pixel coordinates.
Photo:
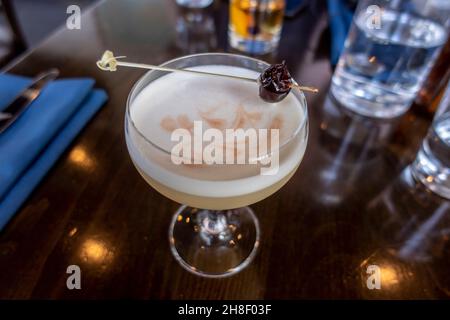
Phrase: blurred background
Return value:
(24, 23)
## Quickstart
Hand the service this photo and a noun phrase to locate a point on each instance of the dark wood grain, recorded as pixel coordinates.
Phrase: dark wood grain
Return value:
(18, 44)
(348, 206)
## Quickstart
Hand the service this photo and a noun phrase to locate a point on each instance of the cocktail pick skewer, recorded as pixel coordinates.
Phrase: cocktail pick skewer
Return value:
(109, 62)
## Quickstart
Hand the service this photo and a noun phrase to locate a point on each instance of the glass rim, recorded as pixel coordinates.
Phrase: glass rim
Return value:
(128, 117)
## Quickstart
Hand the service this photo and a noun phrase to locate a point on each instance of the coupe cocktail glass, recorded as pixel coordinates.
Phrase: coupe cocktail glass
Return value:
(214, 234)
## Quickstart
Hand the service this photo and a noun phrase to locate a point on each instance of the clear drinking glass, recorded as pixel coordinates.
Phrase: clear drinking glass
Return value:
(389, 51)
(214, 234)
(255, 25)
(195, 31)
(432, 164)
(194, 4)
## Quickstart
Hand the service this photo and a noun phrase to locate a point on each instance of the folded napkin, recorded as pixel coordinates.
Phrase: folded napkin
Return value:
(340, 18)
(30, 147)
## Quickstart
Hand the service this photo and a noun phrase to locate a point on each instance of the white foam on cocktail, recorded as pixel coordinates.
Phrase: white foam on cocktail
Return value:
(177, 99)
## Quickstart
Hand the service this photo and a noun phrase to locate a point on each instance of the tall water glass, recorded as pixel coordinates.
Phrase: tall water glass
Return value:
(432, 164)
(388, 53)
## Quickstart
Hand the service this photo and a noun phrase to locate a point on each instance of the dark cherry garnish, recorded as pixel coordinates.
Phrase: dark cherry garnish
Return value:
(275, 83)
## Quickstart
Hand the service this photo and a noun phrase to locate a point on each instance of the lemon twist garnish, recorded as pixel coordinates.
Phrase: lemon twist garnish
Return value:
(108, 62)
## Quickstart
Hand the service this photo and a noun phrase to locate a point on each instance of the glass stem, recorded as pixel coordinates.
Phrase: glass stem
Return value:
(214, 227)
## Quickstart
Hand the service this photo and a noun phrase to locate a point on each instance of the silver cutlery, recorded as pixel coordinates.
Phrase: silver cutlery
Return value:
(25, 98)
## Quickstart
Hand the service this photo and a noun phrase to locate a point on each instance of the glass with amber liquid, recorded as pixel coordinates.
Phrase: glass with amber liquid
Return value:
(255, 25)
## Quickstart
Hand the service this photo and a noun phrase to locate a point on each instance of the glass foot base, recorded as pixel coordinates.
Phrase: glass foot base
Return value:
(213, 243)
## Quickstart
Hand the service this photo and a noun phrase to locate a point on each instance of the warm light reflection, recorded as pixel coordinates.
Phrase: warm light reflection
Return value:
(383, 267)
(93, 250)
(72, 232)
(80, 157)
(389, 276)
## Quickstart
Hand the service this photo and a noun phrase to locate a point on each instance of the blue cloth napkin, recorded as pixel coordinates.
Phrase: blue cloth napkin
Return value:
(30, 147)
(340, 18)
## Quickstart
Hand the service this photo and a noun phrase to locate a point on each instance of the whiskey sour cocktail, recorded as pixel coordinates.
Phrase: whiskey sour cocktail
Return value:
(214, 145)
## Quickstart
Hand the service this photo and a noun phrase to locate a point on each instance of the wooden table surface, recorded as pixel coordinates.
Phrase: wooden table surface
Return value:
(350, 205)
